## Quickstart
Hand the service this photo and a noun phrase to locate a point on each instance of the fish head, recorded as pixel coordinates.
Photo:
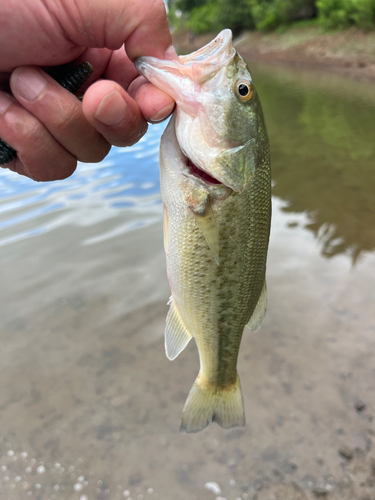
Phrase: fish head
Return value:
(219, 122)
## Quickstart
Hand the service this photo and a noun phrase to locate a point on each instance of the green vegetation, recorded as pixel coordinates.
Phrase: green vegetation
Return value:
(203, 19)
(201, 16)
(269, 15)
(341, 13)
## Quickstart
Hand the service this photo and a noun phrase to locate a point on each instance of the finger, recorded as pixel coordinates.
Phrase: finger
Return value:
(99, 60)
(150, 34)
(40, 156)
(120, 69)
(112, 65)
(60, 112)
(154, 104)
(113, 113)
(19, 168)
(144, 30)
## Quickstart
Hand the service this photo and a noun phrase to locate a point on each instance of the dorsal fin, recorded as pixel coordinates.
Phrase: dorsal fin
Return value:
(177, 336)
(259, 311)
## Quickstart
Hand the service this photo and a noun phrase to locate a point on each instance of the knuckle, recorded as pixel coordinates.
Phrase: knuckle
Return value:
(45, 159)
(38, 152)
(73, 130)
(95, 151)
(62, 168)
(66, 170)
(130, 136)
(68, 117)
(31, 136)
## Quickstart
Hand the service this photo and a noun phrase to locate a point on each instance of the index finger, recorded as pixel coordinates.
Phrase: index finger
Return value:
(151, 35)
(141, 24)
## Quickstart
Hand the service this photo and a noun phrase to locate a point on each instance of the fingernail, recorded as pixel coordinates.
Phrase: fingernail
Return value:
(112, 109)
(29, 83)
(162, 114)
(5, 102)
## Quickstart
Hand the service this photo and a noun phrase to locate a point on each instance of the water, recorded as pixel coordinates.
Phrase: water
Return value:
(90, 406)
(321, 130)
(96, 193)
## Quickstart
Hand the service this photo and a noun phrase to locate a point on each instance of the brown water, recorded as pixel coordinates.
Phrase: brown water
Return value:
(89, 404)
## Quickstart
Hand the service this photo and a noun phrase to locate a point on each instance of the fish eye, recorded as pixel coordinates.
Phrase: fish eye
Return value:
(245, 90)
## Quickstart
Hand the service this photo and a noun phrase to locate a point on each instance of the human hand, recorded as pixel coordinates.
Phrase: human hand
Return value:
(48, 127)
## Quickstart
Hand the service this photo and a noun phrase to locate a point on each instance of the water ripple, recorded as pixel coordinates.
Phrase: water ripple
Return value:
(126, 181)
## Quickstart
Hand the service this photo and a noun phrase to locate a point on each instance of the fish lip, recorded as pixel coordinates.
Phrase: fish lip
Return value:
(182, 79)
(211, 52)
(198, 67)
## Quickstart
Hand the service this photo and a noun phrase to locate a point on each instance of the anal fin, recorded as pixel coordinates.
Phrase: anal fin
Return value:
(259, 311)
(177, 336)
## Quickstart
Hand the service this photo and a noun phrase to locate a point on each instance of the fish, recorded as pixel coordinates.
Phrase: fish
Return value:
(216, 192)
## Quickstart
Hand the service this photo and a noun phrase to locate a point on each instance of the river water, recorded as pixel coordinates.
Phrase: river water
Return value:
(90, 406)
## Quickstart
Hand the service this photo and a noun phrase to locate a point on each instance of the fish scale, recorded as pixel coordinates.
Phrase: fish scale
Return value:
(217, 301)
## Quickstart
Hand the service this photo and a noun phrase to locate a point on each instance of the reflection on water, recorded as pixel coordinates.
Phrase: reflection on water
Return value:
(323, 149)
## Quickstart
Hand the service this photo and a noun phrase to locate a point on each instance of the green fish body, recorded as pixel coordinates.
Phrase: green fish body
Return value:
(216, 191)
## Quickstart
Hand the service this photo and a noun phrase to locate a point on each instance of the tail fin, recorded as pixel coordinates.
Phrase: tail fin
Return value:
(207, 403)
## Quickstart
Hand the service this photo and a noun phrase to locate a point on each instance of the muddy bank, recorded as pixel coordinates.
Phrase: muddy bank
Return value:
(350, 53)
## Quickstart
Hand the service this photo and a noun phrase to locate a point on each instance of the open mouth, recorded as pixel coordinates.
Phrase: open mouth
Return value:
(201, 174)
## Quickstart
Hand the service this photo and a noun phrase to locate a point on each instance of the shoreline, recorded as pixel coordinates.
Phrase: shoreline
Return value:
(350, 53)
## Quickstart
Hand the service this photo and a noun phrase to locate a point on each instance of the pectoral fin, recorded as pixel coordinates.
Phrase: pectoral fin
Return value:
(208, 225)
(259, 311)
(177, 336)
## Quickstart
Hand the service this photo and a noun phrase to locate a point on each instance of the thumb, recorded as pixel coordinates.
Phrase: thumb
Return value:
(141, 24)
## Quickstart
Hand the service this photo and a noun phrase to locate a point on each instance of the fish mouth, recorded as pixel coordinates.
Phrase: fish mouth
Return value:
(180, 78)
(215, 52)
(200, 174)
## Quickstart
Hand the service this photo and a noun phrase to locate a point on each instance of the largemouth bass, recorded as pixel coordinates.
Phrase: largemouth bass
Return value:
(216, 191)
